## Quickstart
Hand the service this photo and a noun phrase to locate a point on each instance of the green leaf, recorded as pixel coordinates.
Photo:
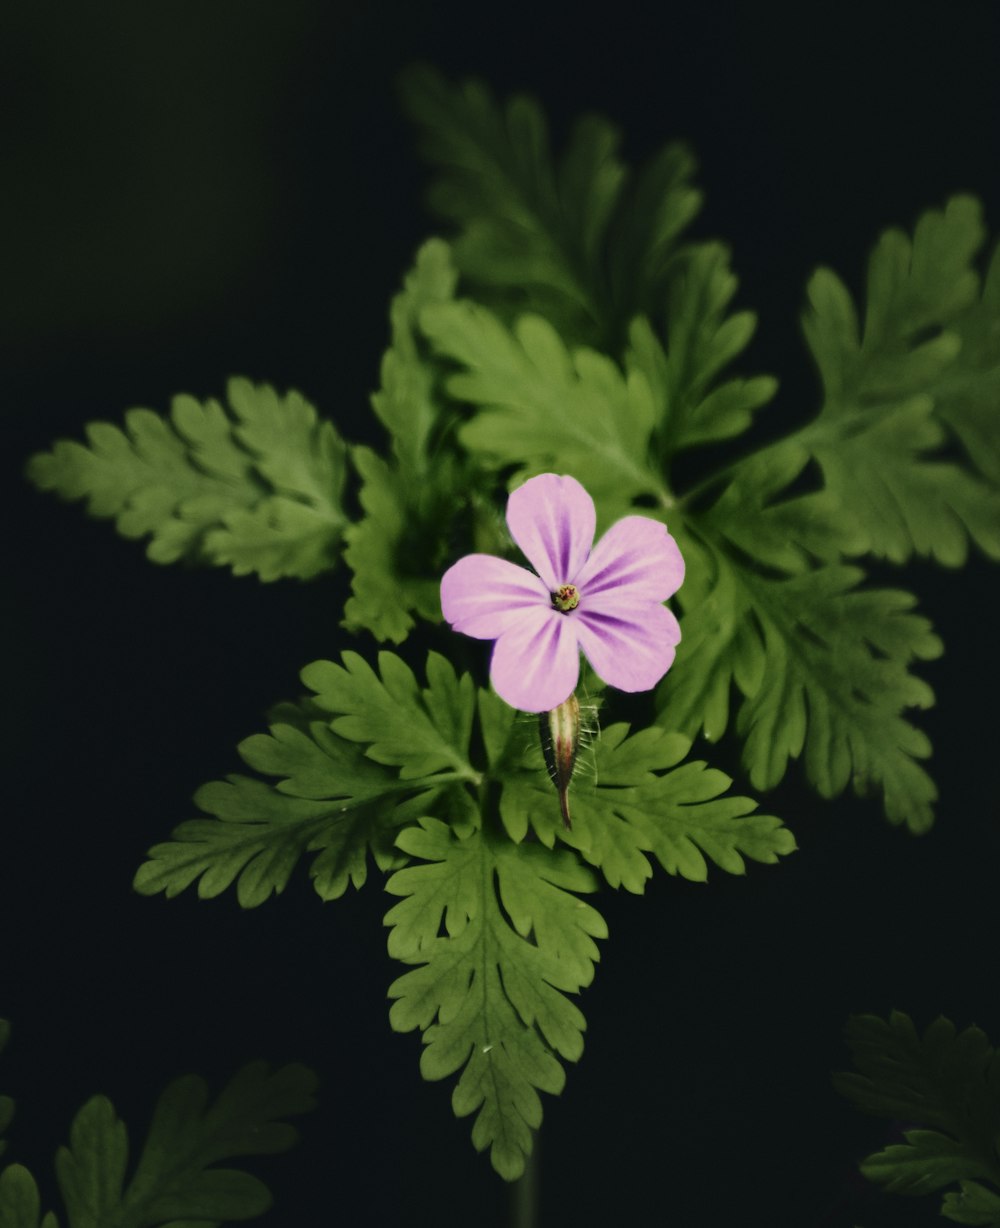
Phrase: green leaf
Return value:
(91, 1170)
(488, 991)
(542, 407)
(418, 731)
(927, 1161)
(524, 224)
(416, 501)
(822, 667)
(975, 1204)
(643, 241)
(576, 239)
(945, 1079)
(770, 529)
(173, 1180)
(384, 598)
(967, 395)
(888, 392)
(692, 406)
(20, 1205)
(338, 797)
(636, 796)
(405, 402)
(257, 489)
(332, 802)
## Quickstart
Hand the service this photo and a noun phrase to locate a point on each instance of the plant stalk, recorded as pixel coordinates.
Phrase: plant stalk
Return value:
(524, 1193)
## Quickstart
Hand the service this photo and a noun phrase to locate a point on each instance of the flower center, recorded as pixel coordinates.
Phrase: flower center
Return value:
(566, 598)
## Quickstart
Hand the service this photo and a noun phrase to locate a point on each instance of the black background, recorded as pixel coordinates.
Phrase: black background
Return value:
(198, 190)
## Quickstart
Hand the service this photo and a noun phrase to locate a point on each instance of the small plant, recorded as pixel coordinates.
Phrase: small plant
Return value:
(570, 331)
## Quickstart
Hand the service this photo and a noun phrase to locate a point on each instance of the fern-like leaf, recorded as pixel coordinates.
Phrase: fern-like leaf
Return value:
(397, 550)
(257, 488)
(692, 406)
(944, 1079)
(543, 407)
(577, 239)
(632, 796)
(890, 391)
(822, 666)
(175, 1179)
(344, 789)
(489, 995)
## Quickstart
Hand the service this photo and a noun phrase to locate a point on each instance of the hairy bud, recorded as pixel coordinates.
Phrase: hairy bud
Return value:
(560, 734)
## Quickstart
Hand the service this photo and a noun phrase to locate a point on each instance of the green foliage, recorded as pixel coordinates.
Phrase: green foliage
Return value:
(395, 550)
(891, 392)
(945, 1079)
(488, 994)
(377, 762)
(972, 1204)
(257, 489)
(418, 731)
(593, 339)
(702, 340)
(822, 668)
(769, 605)
(175, 1182)
(627, 802)
(542, 407)
(822, 665)
(966, 397)
(581, 240)
(20, 1202)
(338, 794)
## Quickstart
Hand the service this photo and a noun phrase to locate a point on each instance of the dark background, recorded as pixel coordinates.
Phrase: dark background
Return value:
(198, 190)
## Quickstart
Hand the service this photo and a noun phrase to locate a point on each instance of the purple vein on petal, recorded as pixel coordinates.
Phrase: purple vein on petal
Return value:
(630, 651)
(536, 662)
(635, 560)
(552, 519)
(483, 596)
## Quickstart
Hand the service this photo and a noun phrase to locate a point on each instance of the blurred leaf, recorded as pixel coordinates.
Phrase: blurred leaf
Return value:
(890, 392)
(173, 1180)
(257, 489)
(577, 239)
(20, 1205)
(692, 406)
(946, 1079)
(974, 1204)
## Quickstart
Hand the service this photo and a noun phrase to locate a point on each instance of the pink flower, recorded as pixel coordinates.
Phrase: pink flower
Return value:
(606, 601)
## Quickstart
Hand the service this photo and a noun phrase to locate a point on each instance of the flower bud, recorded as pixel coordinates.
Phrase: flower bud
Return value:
(560, 734)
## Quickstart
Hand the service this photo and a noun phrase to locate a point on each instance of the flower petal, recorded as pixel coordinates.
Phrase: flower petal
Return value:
(629, 649)
(636, 559)
(536, 663)
(552, 519)
(483, 596)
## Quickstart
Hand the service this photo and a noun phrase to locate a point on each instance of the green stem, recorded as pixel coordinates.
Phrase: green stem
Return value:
(525, 1191)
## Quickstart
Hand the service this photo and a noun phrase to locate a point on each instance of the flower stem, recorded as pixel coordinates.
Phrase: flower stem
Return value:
(525, 1191)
